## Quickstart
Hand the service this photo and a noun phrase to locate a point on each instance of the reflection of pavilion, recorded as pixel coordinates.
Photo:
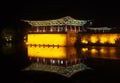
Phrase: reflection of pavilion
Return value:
(64, 71)
(63, 56)
(59, 60)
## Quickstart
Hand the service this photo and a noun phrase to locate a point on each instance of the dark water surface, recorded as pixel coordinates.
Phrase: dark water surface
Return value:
(104, 61)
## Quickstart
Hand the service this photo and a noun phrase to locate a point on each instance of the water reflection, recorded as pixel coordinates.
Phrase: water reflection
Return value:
(61, 60)
(53, 55)
(8, 48)
(71, 55)
(100, 52)
(47, 52)
(67, 60)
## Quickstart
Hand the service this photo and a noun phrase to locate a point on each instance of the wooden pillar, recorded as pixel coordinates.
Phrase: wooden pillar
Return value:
(58, 28)
(43, 28)
(37, 59)
(70, 28)
(51, 29)
(58, 62)
(66, 28)
(66, 62)
(34, 29)
(75, 28)
(40, 29)
(79, 29)
(37, 29)
(103, 30)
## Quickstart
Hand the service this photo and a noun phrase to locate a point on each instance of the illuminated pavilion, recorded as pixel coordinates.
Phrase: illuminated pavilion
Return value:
(64, 24)
(63, 32)
(54, 32)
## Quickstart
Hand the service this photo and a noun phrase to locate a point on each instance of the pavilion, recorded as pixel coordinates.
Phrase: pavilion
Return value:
(64, 24)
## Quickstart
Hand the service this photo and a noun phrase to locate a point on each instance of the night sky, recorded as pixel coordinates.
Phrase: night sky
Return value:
(101, 12)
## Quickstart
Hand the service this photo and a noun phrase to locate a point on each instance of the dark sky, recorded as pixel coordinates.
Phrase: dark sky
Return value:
(103, 13)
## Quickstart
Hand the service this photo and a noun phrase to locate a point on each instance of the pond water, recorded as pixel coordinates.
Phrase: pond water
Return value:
(104, 61)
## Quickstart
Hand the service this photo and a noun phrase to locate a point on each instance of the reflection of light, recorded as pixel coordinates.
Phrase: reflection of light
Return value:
(24, 37)
(44, 60)
(94, 39)
(47, 52)
(112, 50)
(61, 61)
(84, 41)
(102, 50)
(72, 51)
(56, 39)
(58, 61)
(37, 59)
(26, 43)
(94, 50)
(30, 58)
(9, 45)
(53, 61)
(84, 49)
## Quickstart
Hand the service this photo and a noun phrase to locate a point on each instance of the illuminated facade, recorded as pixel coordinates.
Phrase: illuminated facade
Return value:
(64, 32)
(53, 55)
(54, 32)
(99, 38)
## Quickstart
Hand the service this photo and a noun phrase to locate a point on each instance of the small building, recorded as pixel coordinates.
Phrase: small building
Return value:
(99, 29)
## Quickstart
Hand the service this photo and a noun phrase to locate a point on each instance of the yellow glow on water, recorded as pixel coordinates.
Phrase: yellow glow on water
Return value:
(71, 53)
(84, 41)
(84, 49)
(103, 51)
(45, 52)
(93, 39)
(56, 39)
(94, 50)
(112, 50)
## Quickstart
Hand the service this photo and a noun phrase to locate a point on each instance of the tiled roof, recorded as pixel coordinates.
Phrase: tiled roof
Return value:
(61, 21)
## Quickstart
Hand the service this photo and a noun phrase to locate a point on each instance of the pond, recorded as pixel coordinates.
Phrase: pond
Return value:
(102, 61)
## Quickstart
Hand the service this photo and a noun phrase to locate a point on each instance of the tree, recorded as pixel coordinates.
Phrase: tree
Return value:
(15, 32)
(8, 34)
